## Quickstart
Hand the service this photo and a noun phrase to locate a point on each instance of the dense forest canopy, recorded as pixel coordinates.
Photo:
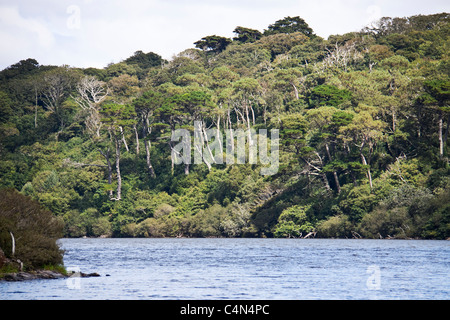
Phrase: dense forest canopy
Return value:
(363, 120)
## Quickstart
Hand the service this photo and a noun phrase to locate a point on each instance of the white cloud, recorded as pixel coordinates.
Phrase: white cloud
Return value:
(22, 37)
(10, 19)
(95, 32)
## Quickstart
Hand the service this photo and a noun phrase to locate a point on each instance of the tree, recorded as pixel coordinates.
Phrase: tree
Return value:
(144, 60)
(28, 232)
(5, 107)
(117, 117)
(364, 131)
(321, 120)
(437, 94)
(387, 25)
(146, 106)
(246, 35)
(246, 93)
(291, 77)
(58, 84)
(293, 132)
(290, 25)
(329, 95)
(281, 43)
(91, 92)
(214, 44)
(293, 223)
(342, 56)
(21, 68)
(186, 108)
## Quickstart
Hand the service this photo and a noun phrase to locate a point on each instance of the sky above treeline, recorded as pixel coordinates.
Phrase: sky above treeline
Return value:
(94, 33)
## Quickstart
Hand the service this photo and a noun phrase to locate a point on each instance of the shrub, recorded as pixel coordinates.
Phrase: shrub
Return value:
(35, 230)
(293, 222)
(335, 227)
(102, 227)
(384, 223)
(207, 223)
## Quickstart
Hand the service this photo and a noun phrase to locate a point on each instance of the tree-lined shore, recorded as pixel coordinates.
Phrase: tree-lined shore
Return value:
(363, 119)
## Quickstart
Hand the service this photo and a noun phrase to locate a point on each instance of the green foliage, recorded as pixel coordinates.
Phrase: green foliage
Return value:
(293, 222)
(245, 35)
(329, 95)
(215, 44)
(363, 120)
(5, 107)
(335, 227)
(34, 229)
(289, 25)
(143, 62)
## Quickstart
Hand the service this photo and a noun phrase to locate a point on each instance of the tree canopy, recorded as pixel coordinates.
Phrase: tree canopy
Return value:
(363, 121)
(290, 25)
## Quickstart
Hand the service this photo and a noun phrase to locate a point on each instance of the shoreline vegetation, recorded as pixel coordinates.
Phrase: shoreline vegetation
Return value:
(363, 121)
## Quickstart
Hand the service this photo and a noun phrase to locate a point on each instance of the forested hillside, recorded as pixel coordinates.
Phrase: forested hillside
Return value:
(363, 120)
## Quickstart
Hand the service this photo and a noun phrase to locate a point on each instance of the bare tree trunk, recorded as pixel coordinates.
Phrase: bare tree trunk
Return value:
(171, 159)
(336, 178)
(123, 139)
(318, 172)
(204, 159)
(137, 139)
(253, 115)
(250, 141)
(149, 163)
(205, 141)
(146, 130)
(119, 177)
(295, 91)
(13, 244)
(369, 175)
(218, 127)
(394, 119)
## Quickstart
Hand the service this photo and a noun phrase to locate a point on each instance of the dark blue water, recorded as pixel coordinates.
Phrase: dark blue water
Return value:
(246, 269)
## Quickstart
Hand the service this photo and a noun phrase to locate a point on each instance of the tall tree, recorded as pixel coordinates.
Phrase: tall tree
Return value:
(321, 121)
(116, 117)
(246, 35)
(91, 92)
(437, 95)
(290, 25)
(58, 84)
(146, 106)
(215, 44)
(364, 132)
(328, 95)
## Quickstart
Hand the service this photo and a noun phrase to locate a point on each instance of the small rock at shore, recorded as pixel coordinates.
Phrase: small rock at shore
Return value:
(88, 275)
(39, 274)
(43, 274)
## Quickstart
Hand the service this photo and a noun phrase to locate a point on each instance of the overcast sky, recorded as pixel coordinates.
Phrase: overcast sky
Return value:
(93, 33)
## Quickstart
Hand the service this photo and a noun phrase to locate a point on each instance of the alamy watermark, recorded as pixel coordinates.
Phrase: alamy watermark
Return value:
(74, 19)
(374, 280)
(73, 282)
(208, 146)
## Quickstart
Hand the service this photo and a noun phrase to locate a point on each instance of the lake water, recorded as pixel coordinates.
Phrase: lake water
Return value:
(246, 269)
